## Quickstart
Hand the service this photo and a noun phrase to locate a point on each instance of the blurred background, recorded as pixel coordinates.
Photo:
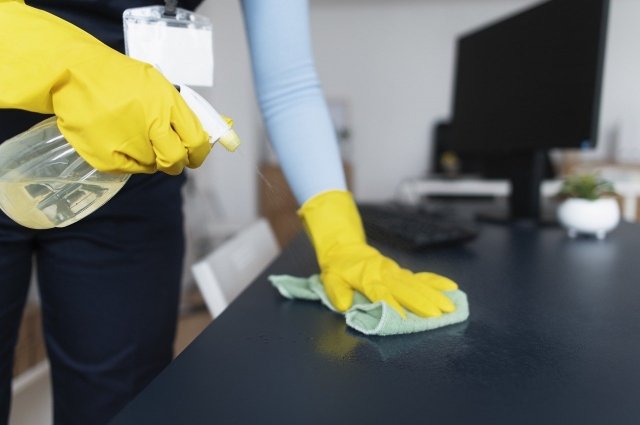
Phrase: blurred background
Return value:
(387, 69)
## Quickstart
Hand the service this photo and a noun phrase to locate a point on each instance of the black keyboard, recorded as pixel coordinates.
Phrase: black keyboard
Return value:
(412, 229)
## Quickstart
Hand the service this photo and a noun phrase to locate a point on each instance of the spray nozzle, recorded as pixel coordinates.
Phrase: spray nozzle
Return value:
(218, 126)
(230, 140)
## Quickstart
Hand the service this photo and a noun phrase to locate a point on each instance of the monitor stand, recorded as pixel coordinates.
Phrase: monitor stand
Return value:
(526, 175)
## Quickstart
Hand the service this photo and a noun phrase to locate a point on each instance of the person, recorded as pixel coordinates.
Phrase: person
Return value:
(109, 284)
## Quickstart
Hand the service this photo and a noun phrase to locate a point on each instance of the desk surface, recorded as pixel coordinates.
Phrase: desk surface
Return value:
(553, 337)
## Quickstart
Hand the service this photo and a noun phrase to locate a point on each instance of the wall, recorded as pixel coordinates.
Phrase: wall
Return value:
(620, 133)
(392, 62)
(232, 178)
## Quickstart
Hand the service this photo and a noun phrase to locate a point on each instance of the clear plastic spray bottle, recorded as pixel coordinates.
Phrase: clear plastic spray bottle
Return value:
(44, 183)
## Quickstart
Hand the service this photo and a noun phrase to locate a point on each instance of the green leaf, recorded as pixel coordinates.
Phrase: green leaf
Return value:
(586, 186)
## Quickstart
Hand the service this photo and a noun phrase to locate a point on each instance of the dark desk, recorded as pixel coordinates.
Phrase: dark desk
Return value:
(553, 338)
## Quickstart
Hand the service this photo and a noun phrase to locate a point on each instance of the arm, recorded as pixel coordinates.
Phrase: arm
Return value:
(292, 104)
(299, 127)
(120, 114)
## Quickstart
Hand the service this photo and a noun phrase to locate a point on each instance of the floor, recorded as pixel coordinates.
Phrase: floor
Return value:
(189, 327)
(194, 317)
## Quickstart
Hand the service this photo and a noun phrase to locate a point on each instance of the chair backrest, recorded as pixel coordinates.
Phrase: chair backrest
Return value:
(229, 269)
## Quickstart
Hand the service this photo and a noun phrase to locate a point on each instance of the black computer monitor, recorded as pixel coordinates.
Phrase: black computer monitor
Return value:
(529, 83)
(485, 165)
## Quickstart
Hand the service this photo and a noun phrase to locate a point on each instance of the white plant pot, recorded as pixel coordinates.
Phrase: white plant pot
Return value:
(589, 217)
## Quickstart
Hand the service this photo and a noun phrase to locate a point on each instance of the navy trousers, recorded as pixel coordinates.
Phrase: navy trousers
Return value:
(109, 286)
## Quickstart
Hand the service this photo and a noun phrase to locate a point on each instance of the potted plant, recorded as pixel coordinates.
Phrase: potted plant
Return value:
(589, 206)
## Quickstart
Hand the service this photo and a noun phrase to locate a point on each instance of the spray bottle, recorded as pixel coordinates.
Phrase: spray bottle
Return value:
(44, 183)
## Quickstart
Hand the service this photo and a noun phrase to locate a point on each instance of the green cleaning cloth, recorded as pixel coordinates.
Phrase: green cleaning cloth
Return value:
(372, 318)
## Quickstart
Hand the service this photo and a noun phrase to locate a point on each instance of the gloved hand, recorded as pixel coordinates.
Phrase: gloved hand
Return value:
(121, 115)
(347, 263)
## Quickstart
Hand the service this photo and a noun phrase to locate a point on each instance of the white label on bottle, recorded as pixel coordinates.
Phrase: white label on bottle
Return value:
(183, 54)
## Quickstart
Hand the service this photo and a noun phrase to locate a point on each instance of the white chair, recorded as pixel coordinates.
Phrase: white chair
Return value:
(229, 269)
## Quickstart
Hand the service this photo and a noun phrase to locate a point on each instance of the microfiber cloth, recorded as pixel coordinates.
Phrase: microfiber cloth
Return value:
(372, 318)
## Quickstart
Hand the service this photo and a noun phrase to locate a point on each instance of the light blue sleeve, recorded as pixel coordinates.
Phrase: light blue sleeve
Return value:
(293, 107)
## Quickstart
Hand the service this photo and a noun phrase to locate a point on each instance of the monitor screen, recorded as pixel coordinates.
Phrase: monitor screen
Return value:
(531, 81)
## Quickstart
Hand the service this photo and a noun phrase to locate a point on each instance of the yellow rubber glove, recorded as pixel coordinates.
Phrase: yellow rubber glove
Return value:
(120, 114)
(347, 263)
